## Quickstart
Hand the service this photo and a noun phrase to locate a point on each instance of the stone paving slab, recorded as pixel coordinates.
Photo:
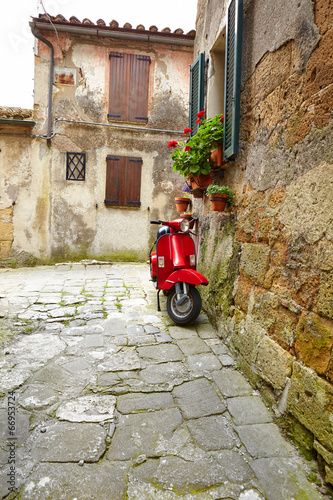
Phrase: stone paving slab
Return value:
(198, 399)
(70, 481)
(114, 401)
(70, 442)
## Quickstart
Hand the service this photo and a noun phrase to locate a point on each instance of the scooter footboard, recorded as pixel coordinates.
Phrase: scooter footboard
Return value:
(189, 276)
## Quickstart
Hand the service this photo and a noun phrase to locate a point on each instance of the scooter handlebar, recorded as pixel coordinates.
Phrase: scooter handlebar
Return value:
(155, 222)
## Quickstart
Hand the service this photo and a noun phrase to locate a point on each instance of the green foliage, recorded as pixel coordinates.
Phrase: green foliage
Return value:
(216, 189)
(196, 160)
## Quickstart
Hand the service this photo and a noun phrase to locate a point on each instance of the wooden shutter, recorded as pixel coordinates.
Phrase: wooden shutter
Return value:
(129, 85)
(233, 60)
(123, 181)
(197, 80)
(133, 182)
(114, 171)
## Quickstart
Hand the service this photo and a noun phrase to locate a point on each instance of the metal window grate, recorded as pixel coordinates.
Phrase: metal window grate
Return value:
(76, 167)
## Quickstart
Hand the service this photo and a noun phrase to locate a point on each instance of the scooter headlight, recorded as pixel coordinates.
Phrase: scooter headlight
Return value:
(185, 225)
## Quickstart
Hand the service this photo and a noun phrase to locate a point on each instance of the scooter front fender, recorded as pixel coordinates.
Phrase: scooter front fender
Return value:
(189, 276)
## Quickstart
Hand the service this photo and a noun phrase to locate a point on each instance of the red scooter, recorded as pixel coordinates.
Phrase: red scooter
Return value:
(173, 270)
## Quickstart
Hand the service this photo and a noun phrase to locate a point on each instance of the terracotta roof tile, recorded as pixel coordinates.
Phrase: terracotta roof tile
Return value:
(113, 24)
(15, 113)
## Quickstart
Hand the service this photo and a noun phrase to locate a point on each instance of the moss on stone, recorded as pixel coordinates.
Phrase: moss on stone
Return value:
(219, 262)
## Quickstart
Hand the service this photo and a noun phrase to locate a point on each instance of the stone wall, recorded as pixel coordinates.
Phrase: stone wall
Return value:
(280, 316)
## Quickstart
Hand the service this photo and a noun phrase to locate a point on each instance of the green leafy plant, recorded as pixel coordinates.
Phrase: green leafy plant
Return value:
(193, 157)
(216, 189)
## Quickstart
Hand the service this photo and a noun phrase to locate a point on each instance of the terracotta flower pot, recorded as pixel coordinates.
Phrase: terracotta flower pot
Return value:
(219, 202)
(182, 204)
(216, 155)
(200, 182)
(189, 218)
(198, 193)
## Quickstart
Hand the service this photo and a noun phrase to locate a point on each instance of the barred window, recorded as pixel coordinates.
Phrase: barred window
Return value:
(76, 167)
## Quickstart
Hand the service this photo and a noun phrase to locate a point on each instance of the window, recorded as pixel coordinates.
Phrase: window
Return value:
(129, 84)
(223, 92)
(123, 181)
(76, 167)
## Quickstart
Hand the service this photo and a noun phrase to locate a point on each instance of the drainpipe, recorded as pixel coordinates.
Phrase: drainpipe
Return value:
(50, 96)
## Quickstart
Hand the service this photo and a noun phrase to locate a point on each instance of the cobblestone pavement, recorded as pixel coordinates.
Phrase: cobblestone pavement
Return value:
(113, 401)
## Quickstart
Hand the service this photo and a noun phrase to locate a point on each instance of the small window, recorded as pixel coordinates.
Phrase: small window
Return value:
(129, 85)
(76, 166)
(123, 181)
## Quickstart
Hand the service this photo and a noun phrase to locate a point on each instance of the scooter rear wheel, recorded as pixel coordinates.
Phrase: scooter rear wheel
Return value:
(187, 312)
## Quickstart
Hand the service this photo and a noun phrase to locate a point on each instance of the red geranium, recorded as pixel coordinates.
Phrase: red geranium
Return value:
(186, 130)
(198, 120)
(187, 148)
(222, 119)
(172, 144)
(201, 114)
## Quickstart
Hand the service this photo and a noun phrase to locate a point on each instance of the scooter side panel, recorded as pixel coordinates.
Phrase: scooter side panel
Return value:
(187, 275)
(165, 247)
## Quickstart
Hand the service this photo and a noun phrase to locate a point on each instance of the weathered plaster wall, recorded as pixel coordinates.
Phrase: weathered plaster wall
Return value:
(54, 218)
(280, 296)
(24, 201)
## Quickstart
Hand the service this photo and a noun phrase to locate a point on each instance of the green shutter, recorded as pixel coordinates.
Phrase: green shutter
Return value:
(233, 61)
(197, 90)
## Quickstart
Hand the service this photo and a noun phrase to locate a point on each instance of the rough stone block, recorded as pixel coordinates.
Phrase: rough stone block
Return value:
(273, 363)
(325, 295)
(193, 345)
(243, 291)
(324, 255)
(327, 455)
(273, 69)
(246, 339)
(276, 319)
(5, 249)
(314, 341)
(254, 261)
(310, 399)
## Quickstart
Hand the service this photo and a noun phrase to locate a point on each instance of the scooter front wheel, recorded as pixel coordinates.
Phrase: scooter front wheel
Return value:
(188, 310)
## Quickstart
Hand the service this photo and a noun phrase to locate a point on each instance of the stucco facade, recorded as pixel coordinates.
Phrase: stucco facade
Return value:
(53, 217)
(269, 258)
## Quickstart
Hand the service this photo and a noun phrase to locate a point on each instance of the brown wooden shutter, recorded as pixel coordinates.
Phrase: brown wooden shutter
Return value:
(123, 181)
(118, 88)
(129, 85)
(133, 182)
(114, 171)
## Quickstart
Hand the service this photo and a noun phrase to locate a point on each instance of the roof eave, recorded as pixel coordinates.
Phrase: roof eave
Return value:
(104, 31)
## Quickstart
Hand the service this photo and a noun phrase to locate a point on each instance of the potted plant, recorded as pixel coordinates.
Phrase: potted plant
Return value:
(182, 202)
(193, 158)
(219, 196)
